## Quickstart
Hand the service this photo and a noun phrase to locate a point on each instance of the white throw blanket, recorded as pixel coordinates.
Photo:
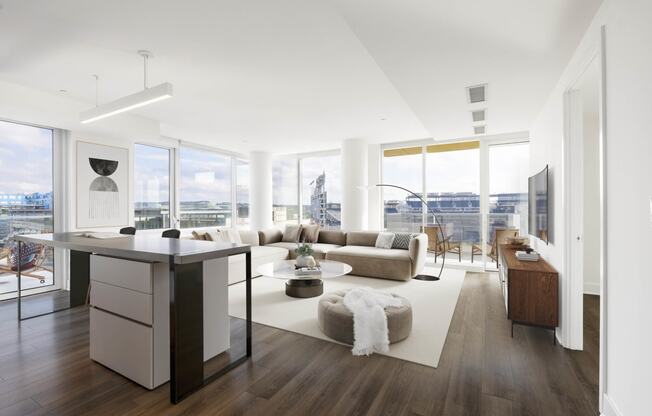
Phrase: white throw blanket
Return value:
(370, 332)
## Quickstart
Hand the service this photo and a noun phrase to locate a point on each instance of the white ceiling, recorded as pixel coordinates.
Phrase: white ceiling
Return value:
(300, 75)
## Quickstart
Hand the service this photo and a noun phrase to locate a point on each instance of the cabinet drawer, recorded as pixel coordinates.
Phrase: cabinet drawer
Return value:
(122, 345)
(134, 275)
(125, 302)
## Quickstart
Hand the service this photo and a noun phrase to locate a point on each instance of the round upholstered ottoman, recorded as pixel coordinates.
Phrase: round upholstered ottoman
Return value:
(336, 321)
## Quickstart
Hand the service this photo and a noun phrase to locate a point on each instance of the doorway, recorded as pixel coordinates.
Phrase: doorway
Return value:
(584, 223)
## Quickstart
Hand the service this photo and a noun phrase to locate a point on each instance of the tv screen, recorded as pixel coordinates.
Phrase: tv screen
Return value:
(538, 205)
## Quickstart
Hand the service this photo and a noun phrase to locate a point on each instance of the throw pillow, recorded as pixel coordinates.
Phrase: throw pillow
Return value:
(230, 235)
(310, 233)
(402, 241)
(217, 237)
(198, 236)
(384, 240)
(292, 233)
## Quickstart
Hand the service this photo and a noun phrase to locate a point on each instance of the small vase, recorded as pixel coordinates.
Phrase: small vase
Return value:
(305, 261)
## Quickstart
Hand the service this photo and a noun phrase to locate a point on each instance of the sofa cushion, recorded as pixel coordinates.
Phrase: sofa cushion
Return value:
(361, 238)
(336, 237)
(383, 263)
(249, 237)
(309, 233)
(270, 235)
(291, 233)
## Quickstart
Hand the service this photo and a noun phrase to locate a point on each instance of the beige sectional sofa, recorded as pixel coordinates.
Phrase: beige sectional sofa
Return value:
(358, 249)
(354, 248)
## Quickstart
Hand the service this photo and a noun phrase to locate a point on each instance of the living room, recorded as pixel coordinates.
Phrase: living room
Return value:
(324, 208)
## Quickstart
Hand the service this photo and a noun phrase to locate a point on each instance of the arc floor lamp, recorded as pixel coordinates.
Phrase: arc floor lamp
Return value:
(441, 232)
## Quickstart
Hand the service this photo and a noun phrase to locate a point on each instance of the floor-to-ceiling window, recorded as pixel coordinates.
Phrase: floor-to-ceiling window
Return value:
(242, 192)
(321, 190)
(151, 187)
(205, 188)
(285, 195)
(403, 167)
(453, 189)
(26, 204)
(508, 193)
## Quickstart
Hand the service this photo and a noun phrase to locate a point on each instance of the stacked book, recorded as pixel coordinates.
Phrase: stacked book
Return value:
(307, 271)
(525, 256)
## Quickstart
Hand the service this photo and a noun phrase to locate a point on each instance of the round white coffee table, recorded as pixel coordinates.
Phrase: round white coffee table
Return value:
(304, 286)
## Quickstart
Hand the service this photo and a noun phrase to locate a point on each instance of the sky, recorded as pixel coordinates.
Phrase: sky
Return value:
(205, 176)
(459, 171)
(152, 174)
(26, 167)
(25, 158)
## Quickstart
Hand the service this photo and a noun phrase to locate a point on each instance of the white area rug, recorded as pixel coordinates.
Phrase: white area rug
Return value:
(433, 304)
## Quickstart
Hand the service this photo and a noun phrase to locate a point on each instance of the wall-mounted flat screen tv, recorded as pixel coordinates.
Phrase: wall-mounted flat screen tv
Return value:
(538, 205)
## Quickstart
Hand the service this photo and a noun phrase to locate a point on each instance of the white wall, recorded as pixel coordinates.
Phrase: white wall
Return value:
(628, 186)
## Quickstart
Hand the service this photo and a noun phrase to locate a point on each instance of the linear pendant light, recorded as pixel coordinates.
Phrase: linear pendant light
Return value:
(129, 102)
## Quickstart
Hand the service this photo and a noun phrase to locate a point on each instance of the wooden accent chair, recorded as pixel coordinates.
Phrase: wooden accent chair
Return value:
(437, 246)
(501, 235)
(34, 256)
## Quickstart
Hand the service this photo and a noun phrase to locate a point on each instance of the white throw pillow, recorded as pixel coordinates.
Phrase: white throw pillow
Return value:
(231, 236)
(385, 240)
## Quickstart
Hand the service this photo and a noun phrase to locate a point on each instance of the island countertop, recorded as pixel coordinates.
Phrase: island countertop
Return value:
(150, 248)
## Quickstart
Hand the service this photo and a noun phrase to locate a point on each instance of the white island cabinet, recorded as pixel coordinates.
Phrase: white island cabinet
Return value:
(130, 316)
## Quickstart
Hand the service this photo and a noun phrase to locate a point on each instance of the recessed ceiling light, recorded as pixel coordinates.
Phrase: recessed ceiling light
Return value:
(383, 119)
(63, 91)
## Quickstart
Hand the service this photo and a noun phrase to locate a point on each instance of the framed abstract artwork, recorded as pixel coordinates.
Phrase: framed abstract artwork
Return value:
(102, 185)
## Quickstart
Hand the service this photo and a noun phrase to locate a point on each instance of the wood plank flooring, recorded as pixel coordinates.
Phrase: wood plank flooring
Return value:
(45, 370)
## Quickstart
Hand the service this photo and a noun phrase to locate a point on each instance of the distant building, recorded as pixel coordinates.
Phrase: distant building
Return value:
(326, 214)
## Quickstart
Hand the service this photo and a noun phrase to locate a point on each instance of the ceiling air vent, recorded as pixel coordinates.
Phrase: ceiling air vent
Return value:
(479, 115)
(479, 129)
(477, 94)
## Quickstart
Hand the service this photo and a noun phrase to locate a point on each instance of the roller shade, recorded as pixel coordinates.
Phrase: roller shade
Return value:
(404, 151)
(451, 147)
(433, 148)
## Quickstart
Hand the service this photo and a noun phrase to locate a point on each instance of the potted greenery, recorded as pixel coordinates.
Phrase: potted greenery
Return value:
(304, 254)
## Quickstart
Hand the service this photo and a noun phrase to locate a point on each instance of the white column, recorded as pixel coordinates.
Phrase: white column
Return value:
(354, 178)
(260, 190)
(375, 221)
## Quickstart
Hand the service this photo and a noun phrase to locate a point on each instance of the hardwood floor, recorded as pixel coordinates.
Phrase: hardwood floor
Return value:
(45, 370)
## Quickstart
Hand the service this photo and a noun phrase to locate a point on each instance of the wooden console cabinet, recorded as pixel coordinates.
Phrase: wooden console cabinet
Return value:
(530, 289)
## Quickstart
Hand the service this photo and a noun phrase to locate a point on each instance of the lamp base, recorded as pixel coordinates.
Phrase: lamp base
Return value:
(426, 277)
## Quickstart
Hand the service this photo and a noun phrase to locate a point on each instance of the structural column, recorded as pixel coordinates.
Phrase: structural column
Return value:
(354, 182)
(260, 191)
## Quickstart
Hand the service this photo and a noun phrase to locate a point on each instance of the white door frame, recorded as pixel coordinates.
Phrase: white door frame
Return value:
(571, 334)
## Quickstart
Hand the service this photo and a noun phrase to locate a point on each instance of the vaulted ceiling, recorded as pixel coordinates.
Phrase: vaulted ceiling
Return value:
(300, 75)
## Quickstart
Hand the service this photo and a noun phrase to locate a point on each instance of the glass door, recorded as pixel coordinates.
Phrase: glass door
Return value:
(402, 212)
(453, 194)
(507, 205)
(26, 205)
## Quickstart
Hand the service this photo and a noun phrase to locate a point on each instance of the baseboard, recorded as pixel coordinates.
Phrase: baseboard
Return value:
(609, 407)
(592, 289)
